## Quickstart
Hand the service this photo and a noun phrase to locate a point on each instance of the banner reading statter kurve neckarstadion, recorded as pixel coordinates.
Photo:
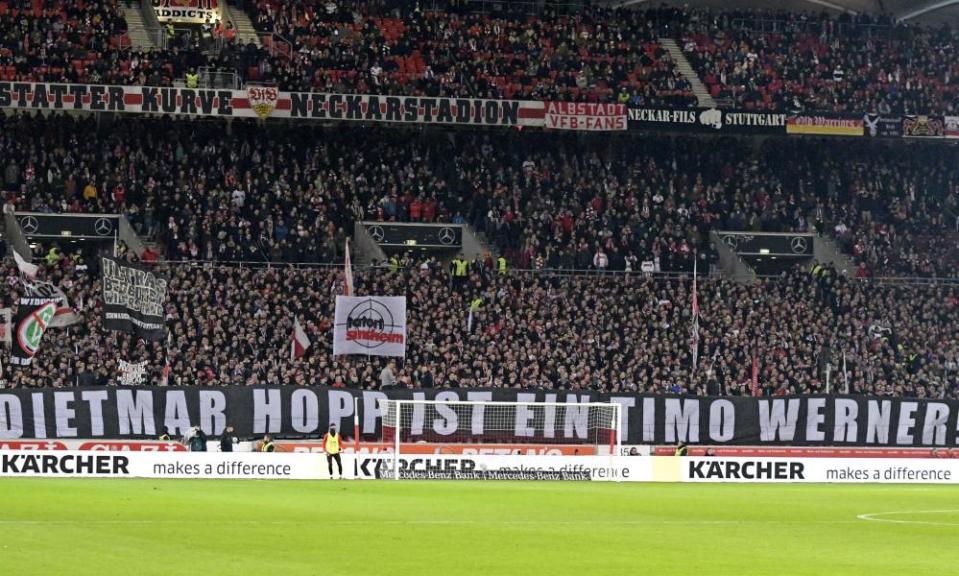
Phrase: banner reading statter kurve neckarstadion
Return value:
(370, 326)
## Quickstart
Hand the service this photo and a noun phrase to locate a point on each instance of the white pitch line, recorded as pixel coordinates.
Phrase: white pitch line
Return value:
(873, 517)
(652, 522)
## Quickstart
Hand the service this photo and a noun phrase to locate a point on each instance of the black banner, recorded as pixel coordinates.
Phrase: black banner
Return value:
(707, 120)
(416, 235)
(769, 243)
(133, 299)
(879, 126)
(98, 226)
(292, 411)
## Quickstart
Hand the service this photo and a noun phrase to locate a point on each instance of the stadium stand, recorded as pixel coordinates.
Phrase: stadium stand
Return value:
(230, 325)
(544, 200)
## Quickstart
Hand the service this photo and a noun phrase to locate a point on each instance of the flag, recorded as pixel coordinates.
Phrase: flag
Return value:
(695, 339)
(469, 322)
(845, 374)
(300, 341)
(754, 385)
(348, 272)
(26, 268)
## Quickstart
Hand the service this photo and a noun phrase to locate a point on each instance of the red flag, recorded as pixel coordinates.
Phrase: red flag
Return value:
(300, 341)
(754, 386)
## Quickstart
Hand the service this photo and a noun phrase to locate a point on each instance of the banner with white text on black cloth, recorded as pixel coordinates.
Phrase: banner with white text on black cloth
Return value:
(133, 299)
(136, 412)
(707, 120)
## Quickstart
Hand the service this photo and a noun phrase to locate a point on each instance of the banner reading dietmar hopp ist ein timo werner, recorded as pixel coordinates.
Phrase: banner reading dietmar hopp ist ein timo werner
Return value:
(370, 325)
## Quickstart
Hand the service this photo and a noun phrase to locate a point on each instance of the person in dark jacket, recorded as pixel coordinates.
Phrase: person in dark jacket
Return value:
(197, 440)
(227, 440)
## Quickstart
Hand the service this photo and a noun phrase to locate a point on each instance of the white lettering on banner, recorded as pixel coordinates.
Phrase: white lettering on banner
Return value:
(549, 417)
(263, 102)
(775, 422)
(844, 427)
(625, 403)
(419, 415)
(135, 412)
(374, 407)
(448, 421)
(341, 407)
(722, 412)
(96, 398)
(877, 428)
(267, 412)
(39, 418)
(11, 417)
(478, 416)
(576, 421)
(591, 116)
(907, 421)
(176, 416)
(524, 415)
(682, 420)
(212, 408)
(815, 419)
(649, 420)
(370, 325)
(65, 414)
(934, 424)
(666, 116)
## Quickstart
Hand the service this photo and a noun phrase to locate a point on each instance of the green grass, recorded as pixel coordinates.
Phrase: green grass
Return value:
(143, 527)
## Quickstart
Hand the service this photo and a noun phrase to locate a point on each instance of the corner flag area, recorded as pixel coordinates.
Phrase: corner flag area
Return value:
(168, 527)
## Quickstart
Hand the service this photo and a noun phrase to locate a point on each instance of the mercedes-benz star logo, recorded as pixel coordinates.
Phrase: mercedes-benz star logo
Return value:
(103, 227)
(446, 235)
(29, 224)
(798, 244)
(731, 241)
(377, 233)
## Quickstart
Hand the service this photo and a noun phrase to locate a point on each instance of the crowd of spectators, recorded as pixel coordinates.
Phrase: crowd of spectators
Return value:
(749, 59)
(803, 62)
(386, 46)
(231, 325)
(546, 201)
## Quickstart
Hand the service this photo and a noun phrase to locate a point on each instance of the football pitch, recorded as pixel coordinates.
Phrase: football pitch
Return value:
(207, 527)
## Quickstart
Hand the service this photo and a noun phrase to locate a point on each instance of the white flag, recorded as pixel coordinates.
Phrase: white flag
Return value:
(5, 325)
(370, 325)
(300, 341)
(348, 272)
(26, 268)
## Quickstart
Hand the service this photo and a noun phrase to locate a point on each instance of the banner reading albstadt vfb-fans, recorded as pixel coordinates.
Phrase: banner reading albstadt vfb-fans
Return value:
(370, 325)
(142, 412)
(133, 299)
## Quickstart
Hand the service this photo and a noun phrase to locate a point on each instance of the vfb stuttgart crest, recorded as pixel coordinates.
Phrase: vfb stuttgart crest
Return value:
(31, 329)
(262, 99)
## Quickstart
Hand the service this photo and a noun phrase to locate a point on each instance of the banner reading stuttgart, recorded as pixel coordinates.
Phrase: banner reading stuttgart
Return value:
(294, 411)
(265, 102)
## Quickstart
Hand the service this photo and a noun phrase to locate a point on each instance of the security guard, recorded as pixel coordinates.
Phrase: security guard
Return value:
(394, 264)
(165, 435)
(333, 445)
(192, 79)
(267, 444)
(501, 265)
(681, 449)
(460, 270)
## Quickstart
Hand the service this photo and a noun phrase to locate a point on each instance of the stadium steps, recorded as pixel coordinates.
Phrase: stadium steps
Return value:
(245, 32)
(703, 97)
(136, 27)
(827, 251)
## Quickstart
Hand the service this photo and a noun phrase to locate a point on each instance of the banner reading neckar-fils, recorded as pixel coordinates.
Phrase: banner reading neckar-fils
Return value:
(143, 412)
(370, 325)
(133, 299)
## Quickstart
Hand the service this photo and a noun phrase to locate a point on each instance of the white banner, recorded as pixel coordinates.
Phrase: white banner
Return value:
(370, 326)
(5, 315)
(211, 465)
(187, 11)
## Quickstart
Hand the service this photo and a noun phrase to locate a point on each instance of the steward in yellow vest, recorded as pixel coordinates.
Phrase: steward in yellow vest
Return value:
(267, 444)
(333, 445)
